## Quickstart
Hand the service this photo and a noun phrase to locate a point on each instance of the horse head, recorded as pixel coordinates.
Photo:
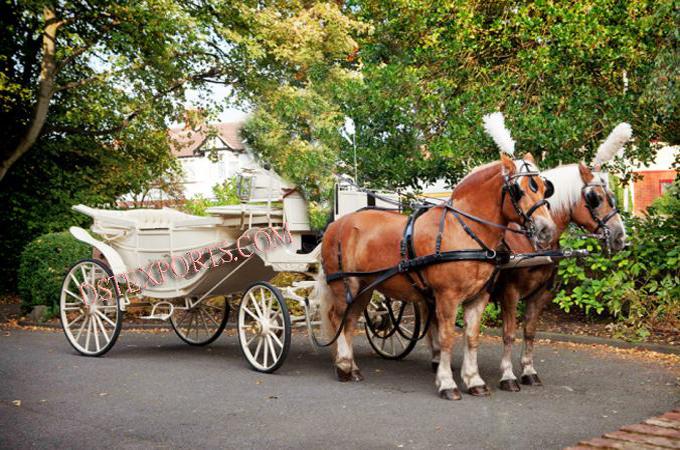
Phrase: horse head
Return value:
(523, 199)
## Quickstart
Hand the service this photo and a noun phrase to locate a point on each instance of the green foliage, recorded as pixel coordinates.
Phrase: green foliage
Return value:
(43, 265)
(224, 194)
(563, 72)
(318, 216)
(122, 73)
(639, 286)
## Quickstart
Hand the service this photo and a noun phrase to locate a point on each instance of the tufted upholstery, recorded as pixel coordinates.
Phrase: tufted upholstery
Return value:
(145, 218)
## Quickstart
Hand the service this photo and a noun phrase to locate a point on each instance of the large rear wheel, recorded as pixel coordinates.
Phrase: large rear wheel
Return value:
(89, 308)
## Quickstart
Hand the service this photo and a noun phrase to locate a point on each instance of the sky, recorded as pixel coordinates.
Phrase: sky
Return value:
(218, 93)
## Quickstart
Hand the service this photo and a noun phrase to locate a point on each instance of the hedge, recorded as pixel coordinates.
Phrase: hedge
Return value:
(42, 267)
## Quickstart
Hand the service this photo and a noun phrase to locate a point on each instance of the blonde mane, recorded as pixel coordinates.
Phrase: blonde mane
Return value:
(568, 184)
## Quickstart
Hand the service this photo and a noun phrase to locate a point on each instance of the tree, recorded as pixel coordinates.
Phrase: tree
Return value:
(88, 89)
(564, 73)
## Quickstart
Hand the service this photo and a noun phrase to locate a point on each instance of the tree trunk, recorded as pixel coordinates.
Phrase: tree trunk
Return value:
(45, 92)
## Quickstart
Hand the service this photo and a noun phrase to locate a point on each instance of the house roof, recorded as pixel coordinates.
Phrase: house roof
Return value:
(185, 142)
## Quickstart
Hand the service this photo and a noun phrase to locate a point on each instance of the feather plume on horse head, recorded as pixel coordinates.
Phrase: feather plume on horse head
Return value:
(614, 142)
(494, 124)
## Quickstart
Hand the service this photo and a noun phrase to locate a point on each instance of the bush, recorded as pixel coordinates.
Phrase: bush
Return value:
(639, 286)
(42, 267)
(225, 194)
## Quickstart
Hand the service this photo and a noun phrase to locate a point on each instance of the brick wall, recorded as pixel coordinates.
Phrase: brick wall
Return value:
(649, 188)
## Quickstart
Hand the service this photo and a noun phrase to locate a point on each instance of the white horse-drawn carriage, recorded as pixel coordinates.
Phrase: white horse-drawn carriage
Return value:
(134, 246)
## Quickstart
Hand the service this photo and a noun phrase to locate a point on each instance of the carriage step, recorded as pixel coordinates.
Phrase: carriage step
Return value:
(160, 311)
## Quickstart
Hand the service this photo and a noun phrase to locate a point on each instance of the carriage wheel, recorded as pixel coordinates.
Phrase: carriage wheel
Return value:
(263, 327)
(392, 326)
(203, 323)
(91, 322)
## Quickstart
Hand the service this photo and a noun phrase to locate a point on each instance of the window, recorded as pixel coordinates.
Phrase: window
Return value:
(664, 185)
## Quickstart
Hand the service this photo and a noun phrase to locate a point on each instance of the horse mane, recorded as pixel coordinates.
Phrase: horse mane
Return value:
(568, 184)
(489, 169)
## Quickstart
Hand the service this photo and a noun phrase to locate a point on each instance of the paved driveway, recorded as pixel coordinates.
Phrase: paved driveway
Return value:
(152, 390)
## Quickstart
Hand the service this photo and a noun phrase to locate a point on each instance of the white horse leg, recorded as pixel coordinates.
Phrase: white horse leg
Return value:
(344, 358)
(472, 312)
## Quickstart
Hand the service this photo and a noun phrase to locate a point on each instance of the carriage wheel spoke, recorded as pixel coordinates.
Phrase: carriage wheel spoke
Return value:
(276, 339)
(401, 341)
(205, 324)
(257, 349)
(73, 295)
(68, 325)
(265, 353)
(191, 322)
(95, 331)
(207, 314)
(271, 348)
(105, 317)
(82, 327)
(185, 313)
(250, 313)
(101, 325)
(87, 336)
(257, 307)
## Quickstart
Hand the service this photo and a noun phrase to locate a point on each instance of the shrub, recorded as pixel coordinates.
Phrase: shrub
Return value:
(42, 267)
(639, 286)
(224, 194)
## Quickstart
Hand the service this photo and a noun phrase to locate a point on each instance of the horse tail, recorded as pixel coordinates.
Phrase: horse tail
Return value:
(323, 295)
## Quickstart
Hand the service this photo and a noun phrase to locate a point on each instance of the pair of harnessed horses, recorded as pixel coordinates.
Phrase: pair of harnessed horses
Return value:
(447, 255)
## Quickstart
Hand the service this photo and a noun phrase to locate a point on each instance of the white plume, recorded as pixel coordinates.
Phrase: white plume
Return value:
(494, 124)
(614, 142)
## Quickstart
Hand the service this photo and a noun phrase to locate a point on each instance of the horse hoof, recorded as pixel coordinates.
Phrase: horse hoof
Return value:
(509, 385)
(531, 380)
(342, 375)
(435, 366)
(479, 391)
(357, 376)
(450, 394)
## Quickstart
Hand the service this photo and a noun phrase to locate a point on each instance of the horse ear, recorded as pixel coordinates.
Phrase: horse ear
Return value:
(508, 164)
(586, 174)
(529, 157)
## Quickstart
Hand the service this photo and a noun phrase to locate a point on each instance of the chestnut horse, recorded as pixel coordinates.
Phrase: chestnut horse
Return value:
(581, 197)
(369, 240)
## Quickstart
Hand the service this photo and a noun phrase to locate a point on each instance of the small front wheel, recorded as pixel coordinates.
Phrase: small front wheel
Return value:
(89, 308)
(203, 323)
(263, 327)
(392, 326)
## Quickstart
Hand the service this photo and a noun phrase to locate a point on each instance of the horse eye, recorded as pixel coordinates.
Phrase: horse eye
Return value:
(533, 185)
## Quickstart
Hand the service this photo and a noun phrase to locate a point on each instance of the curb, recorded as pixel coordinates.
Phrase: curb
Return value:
(581, 339)
(558, 337)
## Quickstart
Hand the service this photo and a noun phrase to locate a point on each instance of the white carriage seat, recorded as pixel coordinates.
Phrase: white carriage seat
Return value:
(145, 219)
(245, 208)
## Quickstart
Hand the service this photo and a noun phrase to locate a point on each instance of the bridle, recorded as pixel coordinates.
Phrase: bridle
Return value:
(512, 188)
(592, 201)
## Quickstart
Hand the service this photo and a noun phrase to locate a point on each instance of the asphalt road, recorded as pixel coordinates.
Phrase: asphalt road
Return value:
(153, 391)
